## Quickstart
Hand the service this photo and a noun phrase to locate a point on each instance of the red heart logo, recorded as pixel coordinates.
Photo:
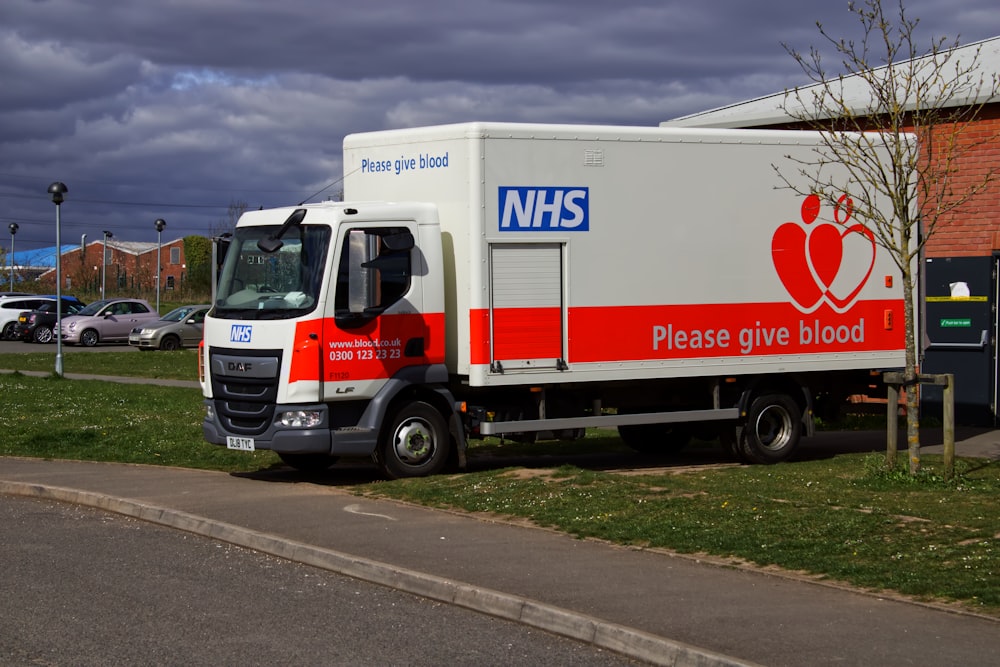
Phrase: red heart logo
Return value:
(788, 252)
(826, 251)
(831, 261)
(858, 244)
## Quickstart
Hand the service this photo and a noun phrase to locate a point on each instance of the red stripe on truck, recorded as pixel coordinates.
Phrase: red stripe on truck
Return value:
(603, 334)
(376, 350)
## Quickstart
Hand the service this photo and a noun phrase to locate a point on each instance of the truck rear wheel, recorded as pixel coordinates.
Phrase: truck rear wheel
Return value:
(772, 429)
(415, 443)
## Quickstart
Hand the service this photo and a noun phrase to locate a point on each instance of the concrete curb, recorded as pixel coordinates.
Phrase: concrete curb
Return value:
(610, 636)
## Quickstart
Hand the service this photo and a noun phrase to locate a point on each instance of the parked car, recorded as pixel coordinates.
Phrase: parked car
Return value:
(11, 308)
(37, 326)
(107, 321)
(179, 328)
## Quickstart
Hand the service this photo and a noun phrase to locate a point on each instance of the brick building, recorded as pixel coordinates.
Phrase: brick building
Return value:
(959, 284)
(130, 267)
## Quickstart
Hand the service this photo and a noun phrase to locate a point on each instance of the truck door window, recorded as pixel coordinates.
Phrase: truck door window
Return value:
(374, 271)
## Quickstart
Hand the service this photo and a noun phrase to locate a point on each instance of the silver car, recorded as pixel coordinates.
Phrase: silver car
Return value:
(179, 328)
(106, 321)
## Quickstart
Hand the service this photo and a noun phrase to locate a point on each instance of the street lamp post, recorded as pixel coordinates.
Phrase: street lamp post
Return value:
(57, 190)
(104, 262)
(160, 224)
(13, 227)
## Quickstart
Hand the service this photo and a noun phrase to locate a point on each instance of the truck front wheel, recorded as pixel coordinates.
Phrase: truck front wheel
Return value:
(772, 429)
(416, 442)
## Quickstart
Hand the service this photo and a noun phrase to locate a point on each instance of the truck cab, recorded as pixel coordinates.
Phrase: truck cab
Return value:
(326, 338)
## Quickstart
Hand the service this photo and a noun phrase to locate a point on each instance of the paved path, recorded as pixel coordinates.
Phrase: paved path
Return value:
(651, 605)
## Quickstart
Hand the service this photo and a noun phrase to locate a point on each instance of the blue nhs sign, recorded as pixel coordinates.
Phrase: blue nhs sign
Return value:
(557, 209)
(240, 333)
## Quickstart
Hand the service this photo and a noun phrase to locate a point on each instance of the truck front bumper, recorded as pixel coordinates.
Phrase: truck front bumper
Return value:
(282, 439)
(278, 437)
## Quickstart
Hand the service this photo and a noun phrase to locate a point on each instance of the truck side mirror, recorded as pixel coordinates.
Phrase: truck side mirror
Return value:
(399, 242)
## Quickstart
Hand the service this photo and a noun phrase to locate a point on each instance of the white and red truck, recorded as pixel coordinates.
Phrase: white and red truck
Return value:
(516, 279)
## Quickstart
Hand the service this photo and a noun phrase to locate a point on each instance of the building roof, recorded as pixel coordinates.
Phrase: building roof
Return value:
(771, 109)
(45, 258)
(39, 258)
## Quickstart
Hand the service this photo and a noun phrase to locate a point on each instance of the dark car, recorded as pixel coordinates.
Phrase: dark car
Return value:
(11, 308)
(36, 326)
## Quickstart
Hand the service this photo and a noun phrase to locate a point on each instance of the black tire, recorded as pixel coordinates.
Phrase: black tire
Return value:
(89, 338)
(656, 438)
(170, 343)
(8, 331)
(308, 462)
(42, 334)
(415, 442)
(772, 430)
(729, 439)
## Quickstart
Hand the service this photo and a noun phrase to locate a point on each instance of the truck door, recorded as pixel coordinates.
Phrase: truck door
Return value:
(527, 307)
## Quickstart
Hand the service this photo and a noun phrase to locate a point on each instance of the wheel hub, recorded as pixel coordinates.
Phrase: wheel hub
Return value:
(773, 428)
(413, 441)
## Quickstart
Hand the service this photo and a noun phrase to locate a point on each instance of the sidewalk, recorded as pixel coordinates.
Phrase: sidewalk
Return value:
(651, 605)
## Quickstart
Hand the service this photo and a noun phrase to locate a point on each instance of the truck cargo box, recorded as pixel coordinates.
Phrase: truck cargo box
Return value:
(581, 254)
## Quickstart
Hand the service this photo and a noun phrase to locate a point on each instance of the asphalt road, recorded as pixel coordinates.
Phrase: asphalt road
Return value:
(85, 587)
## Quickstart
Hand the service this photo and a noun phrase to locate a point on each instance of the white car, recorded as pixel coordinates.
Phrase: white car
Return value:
(13, 305)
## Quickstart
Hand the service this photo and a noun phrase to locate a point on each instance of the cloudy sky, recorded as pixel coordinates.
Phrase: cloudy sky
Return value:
(176, 109)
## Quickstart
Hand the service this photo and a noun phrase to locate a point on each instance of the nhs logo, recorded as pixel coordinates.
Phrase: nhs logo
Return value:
(544, 209)
(240, 333)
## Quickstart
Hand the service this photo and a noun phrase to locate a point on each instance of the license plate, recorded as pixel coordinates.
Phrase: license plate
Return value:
(242, 444)
(133, 338)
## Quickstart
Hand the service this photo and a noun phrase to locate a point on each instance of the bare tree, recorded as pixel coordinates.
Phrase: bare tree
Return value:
(233, 213)
(888, 84)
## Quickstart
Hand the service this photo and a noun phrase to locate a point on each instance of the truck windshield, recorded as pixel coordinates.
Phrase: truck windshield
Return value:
(257, 285)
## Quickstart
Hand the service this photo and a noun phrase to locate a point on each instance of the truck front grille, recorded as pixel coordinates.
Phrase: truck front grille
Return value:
(245, 388)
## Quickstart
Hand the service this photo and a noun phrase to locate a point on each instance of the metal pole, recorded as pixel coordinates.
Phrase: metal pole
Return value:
(158, 245)
(12, 258)
(104, 265)
(57, 190)
(59, 357)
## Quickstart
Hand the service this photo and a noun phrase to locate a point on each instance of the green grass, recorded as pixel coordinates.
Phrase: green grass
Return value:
(179, 365)
(843, 518)
(90, 420)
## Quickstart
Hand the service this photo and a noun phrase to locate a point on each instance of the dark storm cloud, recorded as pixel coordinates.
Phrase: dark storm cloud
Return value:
(153, 109)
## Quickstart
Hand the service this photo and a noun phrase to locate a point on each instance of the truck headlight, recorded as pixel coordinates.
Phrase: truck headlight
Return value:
(301, 418)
